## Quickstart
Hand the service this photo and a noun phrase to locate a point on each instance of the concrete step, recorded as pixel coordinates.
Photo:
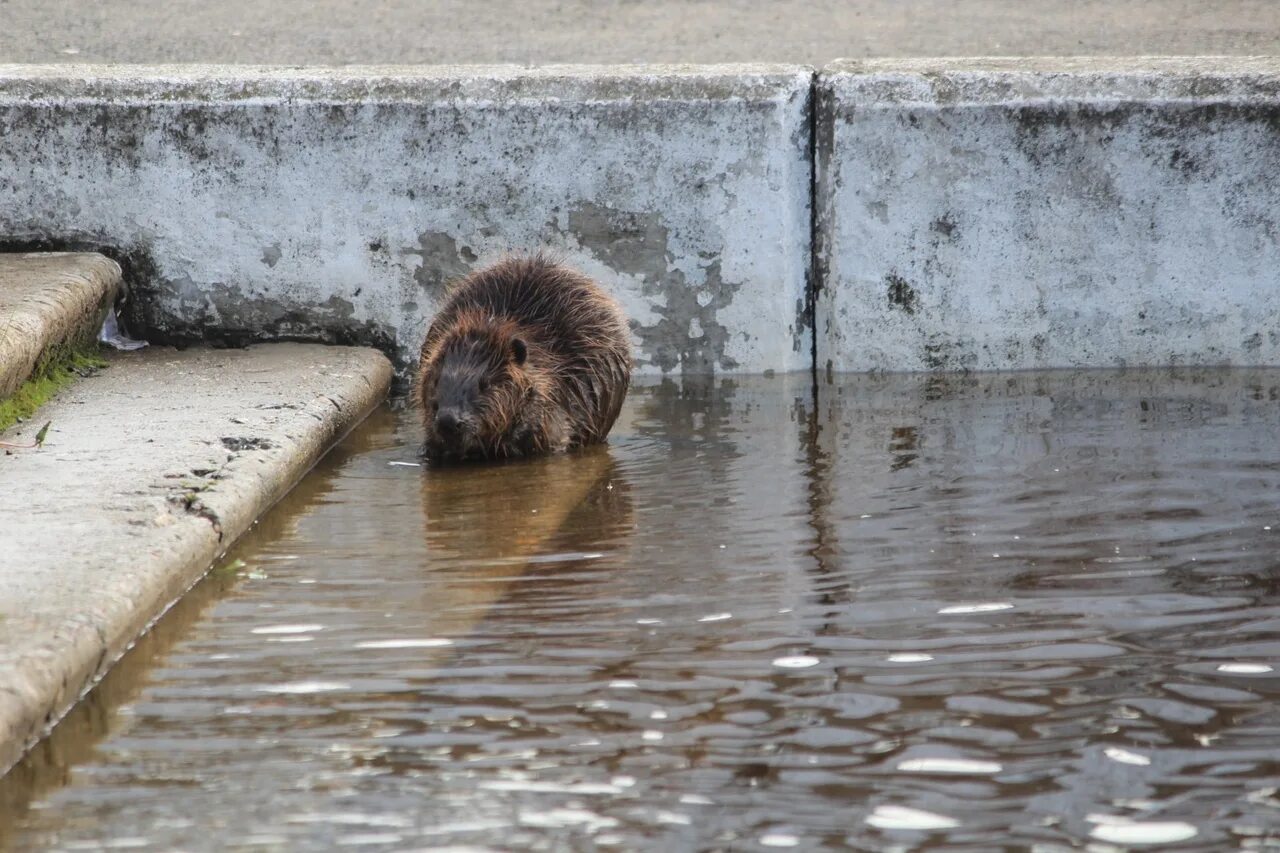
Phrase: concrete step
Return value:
(152, 469)
(50, 303)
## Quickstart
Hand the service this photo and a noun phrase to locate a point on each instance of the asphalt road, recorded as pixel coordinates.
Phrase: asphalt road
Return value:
(545, 31)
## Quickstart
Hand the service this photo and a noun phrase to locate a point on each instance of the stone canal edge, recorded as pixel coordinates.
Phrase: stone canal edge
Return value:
(152, 468)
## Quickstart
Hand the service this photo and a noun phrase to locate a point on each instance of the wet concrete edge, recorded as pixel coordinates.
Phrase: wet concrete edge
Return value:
(175, 548)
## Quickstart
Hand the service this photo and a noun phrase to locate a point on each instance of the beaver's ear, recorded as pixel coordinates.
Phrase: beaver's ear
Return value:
(519, 350)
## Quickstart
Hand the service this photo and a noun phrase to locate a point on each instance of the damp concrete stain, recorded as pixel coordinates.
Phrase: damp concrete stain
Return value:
(223, 315)
(901, 294)
(945, 226)
(236, 308)
(633, 243)
(271, 254)
(688, 336)
(943, 353)
(443, 261)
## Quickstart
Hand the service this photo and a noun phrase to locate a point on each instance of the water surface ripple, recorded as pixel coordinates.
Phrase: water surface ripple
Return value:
(1031, 609)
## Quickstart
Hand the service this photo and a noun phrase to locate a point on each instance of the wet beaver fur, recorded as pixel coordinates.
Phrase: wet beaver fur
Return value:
(526, 357)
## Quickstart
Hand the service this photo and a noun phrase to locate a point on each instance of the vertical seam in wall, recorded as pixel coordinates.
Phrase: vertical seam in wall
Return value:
(814, 282)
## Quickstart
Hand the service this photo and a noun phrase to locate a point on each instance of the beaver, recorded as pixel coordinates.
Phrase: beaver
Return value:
(525, 357)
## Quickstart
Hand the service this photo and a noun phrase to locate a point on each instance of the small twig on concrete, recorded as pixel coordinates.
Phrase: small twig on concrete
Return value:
(39, 440)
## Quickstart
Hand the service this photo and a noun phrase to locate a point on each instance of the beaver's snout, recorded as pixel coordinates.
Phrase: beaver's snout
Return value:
(456, 435)
(448, 424)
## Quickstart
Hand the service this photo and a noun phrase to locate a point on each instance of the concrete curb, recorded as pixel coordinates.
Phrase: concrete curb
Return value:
(152, 469)
(1009, 214)
(334, 204)
(47, 301)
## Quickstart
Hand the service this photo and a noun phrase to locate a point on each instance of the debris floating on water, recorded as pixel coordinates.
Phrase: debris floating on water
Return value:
(796, 661)
(987, 607)
(431, 643)
(303, 687)
(1120, 830)
(909, 657)
(948, 765)
(779, 839)
(901, 817)
(1245, 668)
(1124, 756)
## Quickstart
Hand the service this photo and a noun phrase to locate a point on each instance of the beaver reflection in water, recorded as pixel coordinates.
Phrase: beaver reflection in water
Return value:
(526, 357)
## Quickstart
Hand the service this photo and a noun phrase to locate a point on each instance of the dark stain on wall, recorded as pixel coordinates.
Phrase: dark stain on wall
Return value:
(901, 294)
(688, 335)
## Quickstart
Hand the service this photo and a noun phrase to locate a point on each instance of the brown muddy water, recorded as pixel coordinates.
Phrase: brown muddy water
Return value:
(1005, 611)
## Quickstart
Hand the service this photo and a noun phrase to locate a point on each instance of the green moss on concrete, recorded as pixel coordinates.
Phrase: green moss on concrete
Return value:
(56, 370)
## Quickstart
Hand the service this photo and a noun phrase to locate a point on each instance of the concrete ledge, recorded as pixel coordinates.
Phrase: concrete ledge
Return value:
(333, 204)
(1006, 214)
(152, 469)
(48, 301)
(971, 214)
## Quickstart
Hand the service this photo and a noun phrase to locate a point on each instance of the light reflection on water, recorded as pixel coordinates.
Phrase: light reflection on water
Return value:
(1019, 609)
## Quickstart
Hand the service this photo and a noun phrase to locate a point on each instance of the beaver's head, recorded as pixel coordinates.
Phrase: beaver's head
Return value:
(472, 391)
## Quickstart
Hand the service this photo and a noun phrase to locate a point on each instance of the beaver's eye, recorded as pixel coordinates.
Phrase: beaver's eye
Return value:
(435, 406)
(484, 385)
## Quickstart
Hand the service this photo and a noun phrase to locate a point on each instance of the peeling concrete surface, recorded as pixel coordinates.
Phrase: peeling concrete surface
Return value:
(334, 204)
(1008, 214)
(152, 468)
(46, 301)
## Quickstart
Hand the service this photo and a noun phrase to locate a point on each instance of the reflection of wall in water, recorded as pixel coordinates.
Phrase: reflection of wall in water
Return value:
(725, 503)
(951, 469)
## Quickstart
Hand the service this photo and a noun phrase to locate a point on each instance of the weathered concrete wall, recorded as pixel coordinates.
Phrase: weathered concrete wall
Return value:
(971, 214)
(1001, 214)
(258, 203)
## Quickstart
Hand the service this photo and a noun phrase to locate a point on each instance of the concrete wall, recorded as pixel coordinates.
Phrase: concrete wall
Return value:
(989, 214)
(254, 203)
(970, 214)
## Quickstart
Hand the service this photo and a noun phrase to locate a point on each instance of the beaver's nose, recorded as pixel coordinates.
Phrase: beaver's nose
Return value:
(447, 424)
